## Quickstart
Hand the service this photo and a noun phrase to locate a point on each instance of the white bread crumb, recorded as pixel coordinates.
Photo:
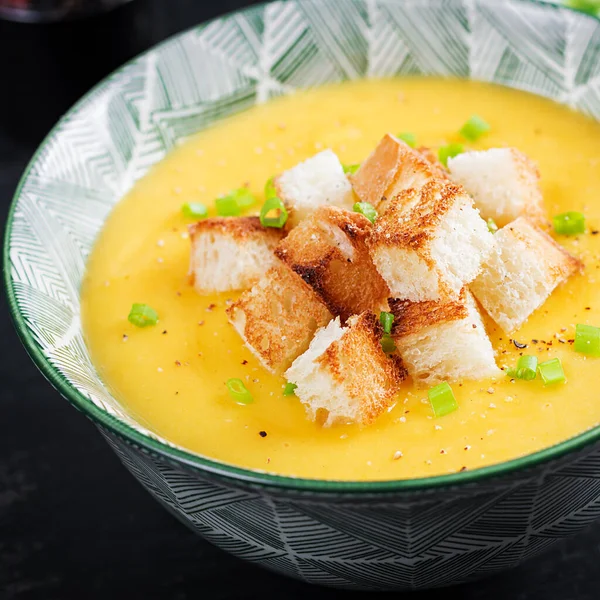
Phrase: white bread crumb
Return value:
(319, 180)
(344, 376)
(522, 271)
(230, 253)
(504, 183)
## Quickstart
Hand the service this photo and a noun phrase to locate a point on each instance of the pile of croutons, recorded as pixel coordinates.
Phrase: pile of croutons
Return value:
(314, 289)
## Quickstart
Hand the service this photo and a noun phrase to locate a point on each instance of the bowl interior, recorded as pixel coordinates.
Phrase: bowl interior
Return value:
(132, 119)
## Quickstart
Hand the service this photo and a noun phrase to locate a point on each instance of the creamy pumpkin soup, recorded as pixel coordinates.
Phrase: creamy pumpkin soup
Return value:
(173, 375)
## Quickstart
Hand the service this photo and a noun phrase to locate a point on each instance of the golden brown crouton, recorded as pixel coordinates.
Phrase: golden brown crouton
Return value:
(521, 273)
(345, 376)
(430, 242)
(230, 253)
(329, 252)
(392, 168)
(443, 341)
(278, 317)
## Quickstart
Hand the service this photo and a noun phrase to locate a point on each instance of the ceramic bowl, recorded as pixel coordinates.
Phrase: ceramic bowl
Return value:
(391, 535)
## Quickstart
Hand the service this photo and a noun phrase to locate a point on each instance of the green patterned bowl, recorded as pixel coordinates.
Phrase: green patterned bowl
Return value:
(378, 535)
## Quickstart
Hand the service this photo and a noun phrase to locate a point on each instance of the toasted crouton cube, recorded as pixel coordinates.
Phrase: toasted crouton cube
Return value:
(344, 375)
(278, 317)
(522, 271)
(503, 182)
(318, 181)
(230, 253)
(328, 250)
(443, 341)
(392, 168)
(430, 243)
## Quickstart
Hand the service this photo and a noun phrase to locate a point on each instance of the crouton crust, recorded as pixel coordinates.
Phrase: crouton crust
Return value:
(411, 218)
(529, 176)
(377, 172)
(432, 158)
(412, 317)
(329, 252)
(345, 358)
(392, 167)
(239, 228)
(278, 317)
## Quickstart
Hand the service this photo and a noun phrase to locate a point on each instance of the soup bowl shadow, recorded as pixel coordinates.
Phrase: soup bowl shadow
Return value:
(392, 535)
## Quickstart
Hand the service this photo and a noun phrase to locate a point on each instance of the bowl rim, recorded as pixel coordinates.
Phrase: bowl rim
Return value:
(216, 467)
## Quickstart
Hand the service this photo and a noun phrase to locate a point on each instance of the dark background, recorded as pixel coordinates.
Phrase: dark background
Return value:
(73, 523)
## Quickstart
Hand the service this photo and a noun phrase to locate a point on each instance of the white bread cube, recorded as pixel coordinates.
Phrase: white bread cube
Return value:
(392, 168)
(230, 253)
(430, 243)
(328, 250)
(344, 376)
(318, 181)
(521, 273)
(503, 182)
(278, 317)
(443, 341)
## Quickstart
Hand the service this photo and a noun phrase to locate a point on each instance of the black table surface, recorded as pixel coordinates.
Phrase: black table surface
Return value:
(73, 522)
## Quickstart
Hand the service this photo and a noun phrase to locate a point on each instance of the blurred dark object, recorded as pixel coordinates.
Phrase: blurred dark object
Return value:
(34, 11)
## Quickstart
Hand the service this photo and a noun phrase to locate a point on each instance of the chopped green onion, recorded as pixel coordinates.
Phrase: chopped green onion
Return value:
(276, 206)
(587, 339)
(526, 368)
(227, 206)
(492, 227)
(194, 210)
(387, 320)
(233, 203)
(442, 400)
(449, 151)
(351, 169)
(142, 315)
(552, 372)
(244, 198)
(289, 389)
(592, 7)
(365, 209)
(238, 391)
(387, 344)
(408, 138)
(569, 223)
(474, 128)
(270, 190)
